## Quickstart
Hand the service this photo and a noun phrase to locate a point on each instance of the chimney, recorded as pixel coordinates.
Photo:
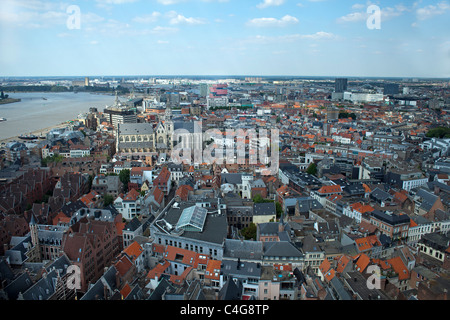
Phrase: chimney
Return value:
(117, 279)
(105, 292)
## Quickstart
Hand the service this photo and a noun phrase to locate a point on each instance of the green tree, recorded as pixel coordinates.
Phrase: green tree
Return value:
(312, 169)
(258, 199)
(124, 177)
(440, 132)
(249, 232)
(107, 200)
(279, 209)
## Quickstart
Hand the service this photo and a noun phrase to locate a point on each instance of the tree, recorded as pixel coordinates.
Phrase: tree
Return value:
(312, 169)
(249, 232)
(124, 177)
(258, 198)
(440, 132)
(107, 200)
(279, 209)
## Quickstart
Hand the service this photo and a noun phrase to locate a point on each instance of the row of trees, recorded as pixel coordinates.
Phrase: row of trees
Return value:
(440, 132)
(3, 96)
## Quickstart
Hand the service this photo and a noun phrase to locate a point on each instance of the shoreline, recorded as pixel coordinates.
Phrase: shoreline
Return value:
(43, 131)
(9, 100)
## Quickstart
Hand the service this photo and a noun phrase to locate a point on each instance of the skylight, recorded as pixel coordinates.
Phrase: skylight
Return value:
(192, 219)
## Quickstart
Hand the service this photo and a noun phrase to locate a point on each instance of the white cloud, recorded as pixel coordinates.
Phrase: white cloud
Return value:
(176, 18)
(361, 13)
(353, 17)
(114, 1)
(163, 30)
(269, 3)
(148, 18)
(321, 35)
(170, 2)
(273, 22)
(432, 10)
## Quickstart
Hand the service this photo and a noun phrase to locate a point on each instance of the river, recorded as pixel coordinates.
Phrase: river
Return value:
(39, 110)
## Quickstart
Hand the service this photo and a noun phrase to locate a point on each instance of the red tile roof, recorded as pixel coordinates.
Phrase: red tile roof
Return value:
(132, 195)
(330, 189)
(158, 195)
(125, 290)
(399, 267)
(362, 262)
(213, 270)
(342, 263)
(134, 250)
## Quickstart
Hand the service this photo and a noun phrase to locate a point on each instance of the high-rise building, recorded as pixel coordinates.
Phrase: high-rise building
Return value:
(391, 89)
(340, 85)
(204, 90)
(119, 113)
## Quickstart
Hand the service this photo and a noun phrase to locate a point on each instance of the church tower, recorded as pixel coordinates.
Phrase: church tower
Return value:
(36, 250)
(168, 123)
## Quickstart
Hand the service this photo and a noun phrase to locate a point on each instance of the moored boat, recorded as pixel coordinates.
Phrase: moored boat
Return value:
(28, 137)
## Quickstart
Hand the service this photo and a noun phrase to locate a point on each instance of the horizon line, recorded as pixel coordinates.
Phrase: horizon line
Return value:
(230, 76)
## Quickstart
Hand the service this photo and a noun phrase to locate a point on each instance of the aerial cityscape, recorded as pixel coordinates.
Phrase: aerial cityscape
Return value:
(243, 161)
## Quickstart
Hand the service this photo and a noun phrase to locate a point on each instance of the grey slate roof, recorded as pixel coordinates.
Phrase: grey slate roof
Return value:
(427, 198)
(42, 289)
(310, 244)
(96, 291)
(269, 228)
(214, 229)
(18, 285)
(241, 269)
(243, 249)
(132, 225)
(281, 249)
(163, 286)
(232, 178)
(231, 290)
(135, 128)
(392, 219)
(380, 195)
(6, 272)
(267, 208)
(339, 289)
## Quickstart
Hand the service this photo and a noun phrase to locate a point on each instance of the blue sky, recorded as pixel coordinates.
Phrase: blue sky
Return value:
(224, 37)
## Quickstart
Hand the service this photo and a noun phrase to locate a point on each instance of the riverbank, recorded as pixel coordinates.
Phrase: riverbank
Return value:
(36, 133)
(9, 100)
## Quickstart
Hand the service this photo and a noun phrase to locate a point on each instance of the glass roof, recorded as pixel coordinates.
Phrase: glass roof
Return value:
(192, 217)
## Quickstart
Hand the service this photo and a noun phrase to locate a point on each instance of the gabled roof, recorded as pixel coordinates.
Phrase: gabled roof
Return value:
(362, 261)
(132, 195)
(163, 177)
(367, 243)
(330, 189)
(399, 267)
(342, 263)
(134, 250)
(184, 256)
(158, 195)
(213, 269)
(325, 266)
(123, 265)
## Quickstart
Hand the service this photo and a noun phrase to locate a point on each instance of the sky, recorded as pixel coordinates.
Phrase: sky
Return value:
(353, 38)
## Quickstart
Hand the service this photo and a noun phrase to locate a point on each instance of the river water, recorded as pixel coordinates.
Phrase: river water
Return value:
(39, 110)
